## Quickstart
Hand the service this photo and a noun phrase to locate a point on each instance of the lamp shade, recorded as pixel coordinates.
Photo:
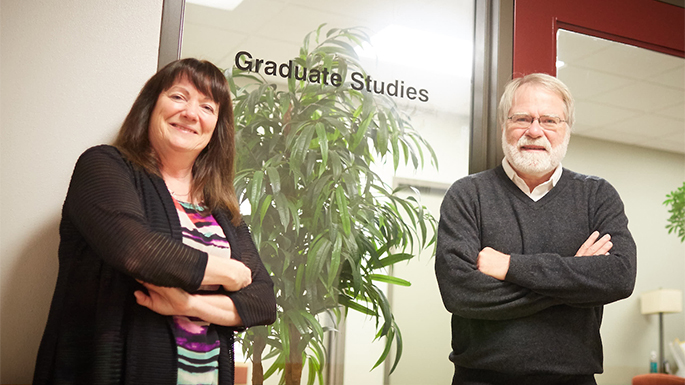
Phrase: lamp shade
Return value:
(662, 301)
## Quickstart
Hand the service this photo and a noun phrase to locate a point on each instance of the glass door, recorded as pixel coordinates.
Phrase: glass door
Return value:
(416, 59)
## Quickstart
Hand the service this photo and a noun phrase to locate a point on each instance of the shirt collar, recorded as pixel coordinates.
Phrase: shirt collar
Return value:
(540, 190)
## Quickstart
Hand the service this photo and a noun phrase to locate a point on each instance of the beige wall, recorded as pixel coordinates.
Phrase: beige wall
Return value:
(642, 177)
(69, 71)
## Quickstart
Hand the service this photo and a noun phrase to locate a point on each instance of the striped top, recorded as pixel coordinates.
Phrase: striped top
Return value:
(197, 341)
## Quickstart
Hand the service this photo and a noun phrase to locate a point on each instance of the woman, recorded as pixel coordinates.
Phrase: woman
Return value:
(157, 269)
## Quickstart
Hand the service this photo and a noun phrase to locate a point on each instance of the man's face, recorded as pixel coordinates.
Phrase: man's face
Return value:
(535, 150)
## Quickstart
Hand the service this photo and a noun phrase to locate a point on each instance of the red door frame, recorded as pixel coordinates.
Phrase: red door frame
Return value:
(650, 24)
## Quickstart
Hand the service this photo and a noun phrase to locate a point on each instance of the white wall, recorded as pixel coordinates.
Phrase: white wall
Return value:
(642, 177)
(418, 309)
(421, 315)
(69, 71)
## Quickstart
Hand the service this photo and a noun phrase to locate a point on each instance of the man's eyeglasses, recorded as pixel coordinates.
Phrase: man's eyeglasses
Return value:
(549, 122)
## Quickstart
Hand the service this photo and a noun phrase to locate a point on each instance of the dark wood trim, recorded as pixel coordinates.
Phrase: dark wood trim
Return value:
(171, 32)
(492, 68)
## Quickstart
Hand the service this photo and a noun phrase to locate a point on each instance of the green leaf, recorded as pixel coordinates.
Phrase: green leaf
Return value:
(323, 146)
(393, 259)
(389, 279)
(314, 323)
(302, 144)
(386, 350)
(295, 215)
(279, 364)
(395, 152)
(346, 301)
(298, 279)
(281, 203)
(357, 112)
(342, 202)
(382, 134)
(313, 369)
(335, 261)
(297, 320)
(336, 164)
(275, 179)
(266, 204)
(361, 132)
(256, 187)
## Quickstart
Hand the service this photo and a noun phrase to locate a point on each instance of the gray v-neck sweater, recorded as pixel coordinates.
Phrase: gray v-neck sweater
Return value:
(545, 316)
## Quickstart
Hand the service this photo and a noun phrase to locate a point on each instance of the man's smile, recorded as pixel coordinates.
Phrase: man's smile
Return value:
(533, 148)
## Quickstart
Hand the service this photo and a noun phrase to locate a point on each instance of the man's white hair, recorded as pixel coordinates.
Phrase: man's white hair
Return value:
(545, 81)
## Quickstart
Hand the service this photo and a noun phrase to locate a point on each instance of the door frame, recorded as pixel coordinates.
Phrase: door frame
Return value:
(650, 24)
(171, 32)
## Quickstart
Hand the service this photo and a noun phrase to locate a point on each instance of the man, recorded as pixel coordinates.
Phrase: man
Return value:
(529, 252)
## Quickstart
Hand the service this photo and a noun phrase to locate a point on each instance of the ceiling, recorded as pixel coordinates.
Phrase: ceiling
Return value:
(623, 93)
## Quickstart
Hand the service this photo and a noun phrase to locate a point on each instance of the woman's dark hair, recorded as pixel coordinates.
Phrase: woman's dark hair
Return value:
(213, 171)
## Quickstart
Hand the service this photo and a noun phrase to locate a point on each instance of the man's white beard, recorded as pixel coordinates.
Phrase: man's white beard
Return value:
(536, 163)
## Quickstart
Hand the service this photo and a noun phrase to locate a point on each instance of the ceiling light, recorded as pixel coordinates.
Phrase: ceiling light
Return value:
(419, 49)
(227, 5)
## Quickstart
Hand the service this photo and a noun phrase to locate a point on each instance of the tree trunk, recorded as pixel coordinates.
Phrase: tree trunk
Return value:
(293, 367)
(258, 346)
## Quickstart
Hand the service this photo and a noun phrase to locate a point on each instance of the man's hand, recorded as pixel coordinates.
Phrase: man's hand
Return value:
(594, 246)
(493, 263)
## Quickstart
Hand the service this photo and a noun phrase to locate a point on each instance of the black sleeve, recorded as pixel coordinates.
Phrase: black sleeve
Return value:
(104, 206)
(255, 303)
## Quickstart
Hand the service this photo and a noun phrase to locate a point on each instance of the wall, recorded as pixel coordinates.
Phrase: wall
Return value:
(642, 177)
(69, 71)
(421, 315)
(418, 309)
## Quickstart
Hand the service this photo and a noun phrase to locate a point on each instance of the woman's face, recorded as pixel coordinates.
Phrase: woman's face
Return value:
(182, 122)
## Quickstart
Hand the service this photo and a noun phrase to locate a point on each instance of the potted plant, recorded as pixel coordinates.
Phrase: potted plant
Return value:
(326, 226)
(676, 204)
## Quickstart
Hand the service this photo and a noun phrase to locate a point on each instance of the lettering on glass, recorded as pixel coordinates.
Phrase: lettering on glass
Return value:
(245, 62)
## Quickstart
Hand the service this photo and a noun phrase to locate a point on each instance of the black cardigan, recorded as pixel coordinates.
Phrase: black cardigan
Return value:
(119, 224)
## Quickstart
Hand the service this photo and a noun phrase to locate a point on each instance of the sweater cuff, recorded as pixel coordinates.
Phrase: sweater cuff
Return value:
(518, 269)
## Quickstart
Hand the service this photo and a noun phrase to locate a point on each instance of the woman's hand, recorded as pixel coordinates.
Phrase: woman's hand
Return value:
(165, 300)
(213, 308)
(233, 275)
(239, 275)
